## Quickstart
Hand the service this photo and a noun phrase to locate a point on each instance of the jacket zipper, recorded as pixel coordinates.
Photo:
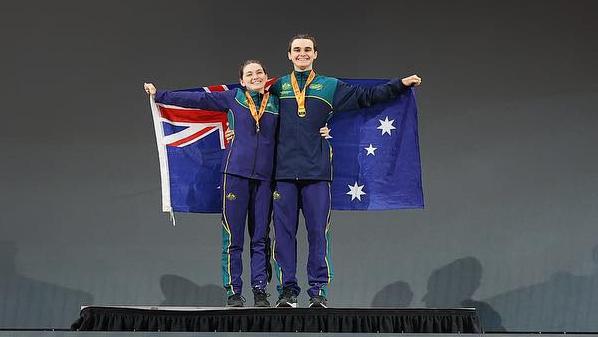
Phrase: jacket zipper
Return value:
(257, 145)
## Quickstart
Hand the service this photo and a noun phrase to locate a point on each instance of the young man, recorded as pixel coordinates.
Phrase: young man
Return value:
(303, 164)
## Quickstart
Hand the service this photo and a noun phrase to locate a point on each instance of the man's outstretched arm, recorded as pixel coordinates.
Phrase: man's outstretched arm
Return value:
(351, 97)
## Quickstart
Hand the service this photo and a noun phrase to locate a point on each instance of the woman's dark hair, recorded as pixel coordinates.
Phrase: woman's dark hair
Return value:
(244, 64)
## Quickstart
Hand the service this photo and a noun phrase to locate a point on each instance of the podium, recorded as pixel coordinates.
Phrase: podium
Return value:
(308, 320)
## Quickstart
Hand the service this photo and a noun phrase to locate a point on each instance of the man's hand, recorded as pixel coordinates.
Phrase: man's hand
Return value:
(229, 135)
(412, 80)
(149, 88)
(325, 132)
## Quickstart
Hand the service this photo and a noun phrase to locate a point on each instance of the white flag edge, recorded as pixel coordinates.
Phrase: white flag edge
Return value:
(162, 156)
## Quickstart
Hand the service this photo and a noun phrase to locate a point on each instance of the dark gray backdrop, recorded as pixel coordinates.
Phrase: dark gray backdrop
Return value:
(508, 126)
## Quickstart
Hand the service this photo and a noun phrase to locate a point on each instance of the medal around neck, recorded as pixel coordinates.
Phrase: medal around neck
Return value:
(300, 94)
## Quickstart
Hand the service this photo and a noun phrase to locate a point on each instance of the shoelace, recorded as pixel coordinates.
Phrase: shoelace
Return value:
(239, 297)
(318, 299)
(288, 293)
(261, 295)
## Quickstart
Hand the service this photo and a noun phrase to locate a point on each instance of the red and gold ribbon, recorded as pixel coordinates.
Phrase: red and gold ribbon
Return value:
(257, 114)
(299, 94)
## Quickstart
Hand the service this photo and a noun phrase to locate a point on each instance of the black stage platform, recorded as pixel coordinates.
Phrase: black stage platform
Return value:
(346, 320)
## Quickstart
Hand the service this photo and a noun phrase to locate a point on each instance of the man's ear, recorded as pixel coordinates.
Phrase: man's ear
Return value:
(289, 56)
(241, 82)
(315, 55)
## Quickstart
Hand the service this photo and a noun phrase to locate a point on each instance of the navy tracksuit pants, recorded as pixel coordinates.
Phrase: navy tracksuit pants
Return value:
(245, 199)
(313, 198)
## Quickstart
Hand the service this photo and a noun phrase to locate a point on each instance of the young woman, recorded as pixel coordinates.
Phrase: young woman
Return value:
(247, 173)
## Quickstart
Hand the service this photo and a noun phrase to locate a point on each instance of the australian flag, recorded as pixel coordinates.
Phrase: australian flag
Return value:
(376, 162)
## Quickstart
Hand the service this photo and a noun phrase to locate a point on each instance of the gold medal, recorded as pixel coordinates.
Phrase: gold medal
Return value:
(254, 112)
(300, 95)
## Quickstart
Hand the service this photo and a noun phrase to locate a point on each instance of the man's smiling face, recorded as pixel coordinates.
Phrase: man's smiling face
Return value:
(302, 54)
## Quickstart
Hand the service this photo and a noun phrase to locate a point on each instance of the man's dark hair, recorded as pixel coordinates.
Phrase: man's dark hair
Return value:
(242, 67)
(303, 36)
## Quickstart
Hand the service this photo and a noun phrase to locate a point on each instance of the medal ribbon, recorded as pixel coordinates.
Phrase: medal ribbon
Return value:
(254, 112)
(300, 95)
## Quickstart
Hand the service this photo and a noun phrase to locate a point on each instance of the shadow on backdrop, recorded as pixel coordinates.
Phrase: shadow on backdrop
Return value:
(179, 291)
(396, 295)
(27, 303)
(454, 284)
(565, 302)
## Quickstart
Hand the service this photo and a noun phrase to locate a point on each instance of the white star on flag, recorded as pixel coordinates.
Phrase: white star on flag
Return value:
(386, 126)
(355, 191)
(370, 150)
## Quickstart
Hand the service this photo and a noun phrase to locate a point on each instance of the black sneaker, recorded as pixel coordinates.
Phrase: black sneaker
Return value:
(235, 300)
(260, 298)
(287, 299)
(318, 302)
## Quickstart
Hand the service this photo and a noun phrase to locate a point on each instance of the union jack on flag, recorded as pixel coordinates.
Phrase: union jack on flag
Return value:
(190, 125)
